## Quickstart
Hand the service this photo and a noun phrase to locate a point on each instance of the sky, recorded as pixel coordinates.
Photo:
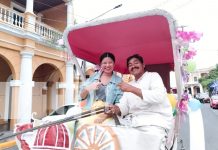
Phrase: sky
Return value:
(196, 15)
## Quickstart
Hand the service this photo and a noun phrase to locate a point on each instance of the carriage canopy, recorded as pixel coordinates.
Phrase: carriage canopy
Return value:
(147, 33)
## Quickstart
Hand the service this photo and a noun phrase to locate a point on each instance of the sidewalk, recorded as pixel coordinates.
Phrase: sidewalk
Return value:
(7, 144)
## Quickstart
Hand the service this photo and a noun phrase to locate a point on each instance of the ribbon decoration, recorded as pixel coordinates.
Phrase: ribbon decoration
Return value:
(184, 40)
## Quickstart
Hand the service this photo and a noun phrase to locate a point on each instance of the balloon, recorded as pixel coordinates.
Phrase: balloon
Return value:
(172, 100)
(191, 66)
(194, 104)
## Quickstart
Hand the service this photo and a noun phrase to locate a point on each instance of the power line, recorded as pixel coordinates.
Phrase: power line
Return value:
(106, 12)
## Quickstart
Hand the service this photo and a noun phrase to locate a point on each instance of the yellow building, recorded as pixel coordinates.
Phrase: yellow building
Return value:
(35, 74)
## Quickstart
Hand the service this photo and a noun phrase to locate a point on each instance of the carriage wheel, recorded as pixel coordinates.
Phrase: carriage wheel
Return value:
(96, 137)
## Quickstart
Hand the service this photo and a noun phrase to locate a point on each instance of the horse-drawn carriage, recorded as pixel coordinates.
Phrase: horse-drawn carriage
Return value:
(151, 34)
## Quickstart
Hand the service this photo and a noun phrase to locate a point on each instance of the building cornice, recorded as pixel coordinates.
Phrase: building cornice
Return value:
(21, 33)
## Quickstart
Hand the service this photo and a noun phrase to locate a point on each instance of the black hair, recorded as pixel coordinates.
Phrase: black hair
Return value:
(137, 56)
(107, 54)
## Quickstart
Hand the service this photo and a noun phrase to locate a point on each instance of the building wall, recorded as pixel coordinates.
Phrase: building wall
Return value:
(39, 100)
(12, 57)
(11, 47)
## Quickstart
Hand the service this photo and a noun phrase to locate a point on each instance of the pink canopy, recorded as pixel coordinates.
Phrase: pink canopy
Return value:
(147, 34)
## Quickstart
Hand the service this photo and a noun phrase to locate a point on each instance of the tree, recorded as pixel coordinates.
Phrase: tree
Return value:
(211, 77)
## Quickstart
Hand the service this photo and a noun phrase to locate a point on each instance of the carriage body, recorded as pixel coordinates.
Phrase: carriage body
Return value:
(152, 34)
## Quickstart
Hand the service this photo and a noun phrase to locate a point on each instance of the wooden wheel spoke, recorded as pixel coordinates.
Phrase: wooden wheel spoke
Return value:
(84, 142)
(96, 137)
(101, 136)
(89, 135)
(105, 143)
(95, 134)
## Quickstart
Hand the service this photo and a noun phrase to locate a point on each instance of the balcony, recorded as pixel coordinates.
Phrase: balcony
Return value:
(13, 21)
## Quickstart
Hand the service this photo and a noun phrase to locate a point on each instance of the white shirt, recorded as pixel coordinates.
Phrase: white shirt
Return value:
(153, 109)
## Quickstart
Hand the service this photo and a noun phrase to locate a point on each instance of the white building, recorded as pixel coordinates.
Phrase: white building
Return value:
(193, 85)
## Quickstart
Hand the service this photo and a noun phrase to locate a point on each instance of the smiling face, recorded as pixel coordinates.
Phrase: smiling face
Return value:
(136, 67)
(107, 65)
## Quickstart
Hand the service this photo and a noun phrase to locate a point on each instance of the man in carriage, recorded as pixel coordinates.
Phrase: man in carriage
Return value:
(145, 105)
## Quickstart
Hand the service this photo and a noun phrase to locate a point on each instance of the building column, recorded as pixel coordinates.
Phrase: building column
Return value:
(25, 94)
(201, 88)
(192, 90)
(30, 17)
(70, 12)
(69, 94)
(29, 6)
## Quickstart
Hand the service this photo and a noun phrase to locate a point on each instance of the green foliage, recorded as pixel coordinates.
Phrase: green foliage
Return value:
(212, 76)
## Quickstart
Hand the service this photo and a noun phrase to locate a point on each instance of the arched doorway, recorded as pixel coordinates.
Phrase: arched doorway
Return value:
(45, 92)
(5, 93)
(196, 90)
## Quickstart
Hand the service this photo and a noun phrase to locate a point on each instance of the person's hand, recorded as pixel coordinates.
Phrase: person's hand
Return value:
(113, 110)
(93, 86)
(125, 87)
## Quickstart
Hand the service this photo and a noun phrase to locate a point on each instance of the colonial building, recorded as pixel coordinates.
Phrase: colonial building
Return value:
(193, 85)
(35, 74)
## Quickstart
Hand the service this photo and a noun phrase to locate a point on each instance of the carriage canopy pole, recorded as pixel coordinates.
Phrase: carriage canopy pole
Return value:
(67, 119)
(75, 61)
(69, 51)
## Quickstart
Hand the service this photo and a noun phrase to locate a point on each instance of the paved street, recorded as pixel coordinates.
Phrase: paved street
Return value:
(210, 127)
(210, 130)
(3, 132)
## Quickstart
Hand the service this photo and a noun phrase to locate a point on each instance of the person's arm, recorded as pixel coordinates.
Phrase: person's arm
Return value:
(84, 93)
(93, 86)
(120, 109)
(156, 92)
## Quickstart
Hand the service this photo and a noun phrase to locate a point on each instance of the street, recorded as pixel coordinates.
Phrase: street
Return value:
(210, 130)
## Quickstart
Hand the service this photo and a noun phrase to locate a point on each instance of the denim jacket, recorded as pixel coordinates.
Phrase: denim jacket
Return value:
(113, 93)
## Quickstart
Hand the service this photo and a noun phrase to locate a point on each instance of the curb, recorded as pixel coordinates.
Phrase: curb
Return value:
(7, 144)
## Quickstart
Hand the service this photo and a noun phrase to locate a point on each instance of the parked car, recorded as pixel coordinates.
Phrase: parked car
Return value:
(214, 101)
(62, 112)
(203, 97)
